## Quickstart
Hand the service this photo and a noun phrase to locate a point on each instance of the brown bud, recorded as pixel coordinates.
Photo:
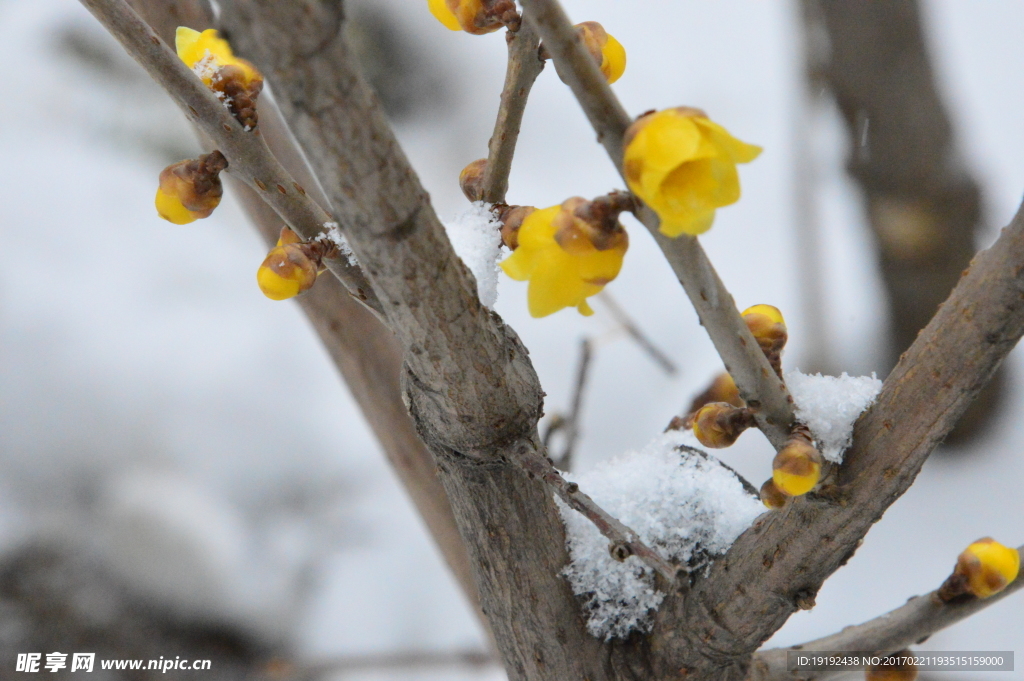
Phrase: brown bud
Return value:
(196, 183)
(719, 424)
(771, 496)
(511, 220)
(901, 668)
(239, 92)
(471, 179)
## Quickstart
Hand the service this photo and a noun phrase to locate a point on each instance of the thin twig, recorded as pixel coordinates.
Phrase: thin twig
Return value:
(628, 325)
(757, 382)
(524, 65)
(908, 624)
(625, 541)
(249, 158)
(384, 662)
(572, 424)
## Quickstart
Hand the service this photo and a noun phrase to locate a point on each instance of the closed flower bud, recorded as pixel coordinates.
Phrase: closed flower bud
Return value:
(796, 469)
(771, 496)
(291, 267)
(769, 330)
(568, 253)
(190, 190)
(719, 424)
(471, 179)
(985, 568)
(604, 48)
(236, 81)
(683, 166)
(475, 16)
(902, 669)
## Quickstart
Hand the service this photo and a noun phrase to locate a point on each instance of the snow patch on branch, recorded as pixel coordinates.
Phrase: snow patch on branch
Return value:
(681, 502)
(829, 406)
(332, 233)
(475, 235)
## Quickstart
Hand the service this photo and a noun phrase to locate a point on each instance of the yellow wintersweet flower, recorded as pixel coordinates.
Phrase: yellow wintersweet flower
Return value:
(608, 52)
(683, 166)
(206, 53)
(565, 258)
(464, 15)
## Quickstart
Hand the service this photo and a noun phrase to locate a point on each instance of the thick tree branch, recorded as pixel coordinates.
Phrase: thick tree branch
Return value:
(249, 158)
(524, 65)
(757, 382)
(917, 619)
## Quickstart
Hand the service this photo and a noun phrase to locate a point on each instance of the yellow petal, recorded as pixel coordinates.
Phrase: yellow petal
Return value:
(614, 62)
(769, 311)
(739, 152)
(553, 286)
(170, 208)
(519, 265)
(275, 286)
(692, 224)
(441, 12)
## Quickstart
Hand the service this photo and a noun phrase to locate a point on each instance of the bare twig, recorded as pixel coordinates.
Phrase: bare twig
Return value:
(623, 319)
(571, 425)
(385, 662)
(908, 624)
(249, 158)
(625, 541)
(524, 65)
(757, 382)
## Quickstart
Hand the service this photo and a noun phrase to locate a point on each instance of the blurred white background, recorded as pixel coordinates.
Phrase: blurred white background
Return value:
(158, 412)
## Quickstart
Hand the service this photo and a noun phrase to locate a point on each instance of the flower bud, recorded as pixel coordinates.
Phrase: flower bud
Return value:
(719, 424)
(471, 179)
(290, 268)
(511, 220)
(902, 669)
(769, 330)
(771, 496)
(796, 468)
(985, 568)
(605, 49)
(475, 16)
(190, 190)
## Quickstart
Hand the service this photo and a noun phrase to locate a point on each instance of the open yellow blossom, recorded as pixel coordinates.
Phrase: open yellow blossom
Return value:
(210, 52)
(464, 15)
(608, 52)
(683, 166)
(565, 258)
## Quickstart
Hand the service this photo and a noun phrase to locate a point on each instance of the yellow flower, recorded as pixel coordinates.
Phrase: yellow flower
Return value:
(683, 166)
(464, 15)
(565, 258)
(608, 52)
(988, 566)
(206, 53)
(290, 268)
(796, 469)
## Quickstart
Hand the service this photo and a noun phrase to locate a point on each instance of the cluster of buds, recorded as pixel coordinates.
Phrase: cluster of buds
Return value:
(292, 266)
(476, 16)
(608, 52)
(234, 80)
(683, 165)
(567, 252)
(189, 190)
(985, 568)
(900, 668)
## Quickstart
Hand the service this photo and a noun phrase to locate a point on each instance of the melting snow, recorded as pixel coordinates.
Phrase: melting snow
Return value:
(683, 503)
(829, 405)
(476, 237)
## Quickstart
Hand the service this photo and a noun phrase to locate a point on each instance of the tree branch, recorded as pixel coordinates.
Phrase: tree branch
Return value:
(249, 158)
(524, 65)
(571, 424)
(762, 390)
(898, 629)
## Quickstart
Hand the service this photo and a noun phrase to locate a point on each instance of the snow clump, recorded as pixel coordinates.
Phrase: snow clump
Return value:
(333, 233)
(476, 237)
(681, 502)
(829, 406)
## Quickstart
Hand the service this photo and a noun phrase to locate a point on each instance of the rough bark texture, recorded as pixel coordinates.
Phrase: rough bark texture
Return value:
(470, 388)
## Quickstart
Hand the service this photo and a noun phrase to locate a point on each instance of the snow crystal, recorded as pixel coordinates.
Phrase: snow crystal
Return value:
(206, 67)
(333, 233)
(681, 502)
(476, 237)
(829, 405)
